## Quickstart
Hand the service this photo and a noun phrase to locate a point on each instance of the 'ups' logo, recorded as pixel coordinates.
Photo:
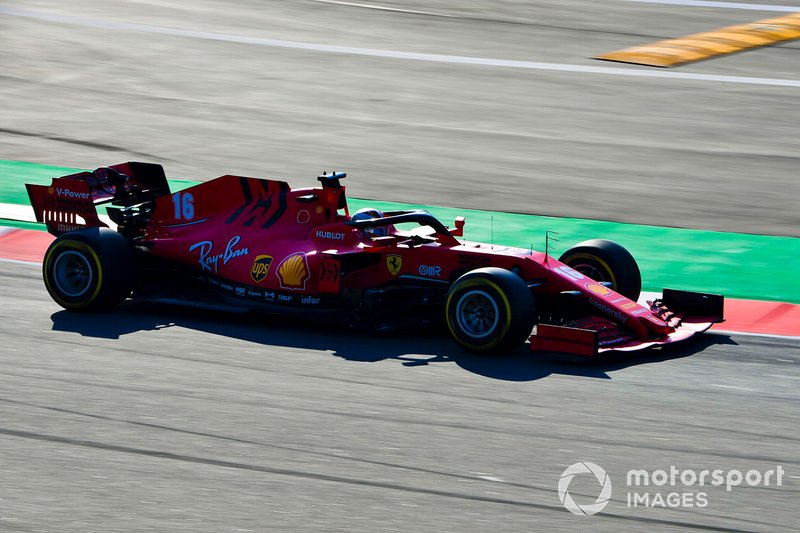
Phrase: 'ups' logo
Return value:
(394, 263)
(260, 267)
(293, 272)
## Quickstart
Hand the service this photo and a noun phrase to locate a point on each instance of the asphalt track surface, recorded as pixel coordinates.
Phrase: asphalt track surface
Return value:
(205, 88)
(155, 418)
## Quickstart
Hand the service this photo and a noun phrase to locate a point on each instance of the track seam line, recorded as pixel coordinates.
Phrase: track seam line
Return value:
(394, 54)
(721, 5)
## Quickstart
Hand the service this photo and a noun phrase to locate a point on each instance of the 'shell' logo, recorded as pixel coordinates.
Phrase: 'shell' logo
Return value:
(293, 272)
(394, 263)
(596, 288)
(260, 267)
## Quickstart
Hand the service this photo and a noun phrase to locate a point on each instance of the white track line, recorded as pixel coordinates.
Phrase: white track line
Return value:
(690, 3)
(385, 8)
(18, 262)
(20, 213)
(644, 296)
(723, 5)
(714, 331)
(393, 54)
(24, 213)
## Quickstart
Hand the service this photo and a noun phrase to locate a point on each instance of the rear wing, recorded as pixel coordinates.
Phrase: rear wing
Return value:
(69, 202)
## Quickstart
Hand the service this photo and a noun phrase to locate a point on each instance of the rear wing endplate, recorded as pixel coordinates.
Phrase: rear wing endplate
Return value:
(69, 202)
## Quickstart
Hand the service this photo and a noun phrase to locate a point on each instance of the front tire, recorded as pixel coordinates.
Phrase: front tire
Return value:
(604, 260)
(89, 270)
(490, 310)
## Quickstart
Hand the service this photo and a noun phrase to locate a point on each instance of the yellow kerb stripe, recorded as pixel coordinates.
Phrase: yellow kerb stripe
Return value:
(672, 52)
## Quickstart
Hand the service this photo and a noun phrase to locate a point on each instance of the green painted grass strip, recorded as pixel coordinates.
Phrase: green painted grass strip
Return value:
(736, 265)
(21, 225)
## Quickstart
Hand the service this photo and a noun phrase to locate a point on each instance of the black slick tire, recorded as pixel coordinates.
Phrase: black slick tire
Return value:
(89, 269)
(604, 260)
(490, 311)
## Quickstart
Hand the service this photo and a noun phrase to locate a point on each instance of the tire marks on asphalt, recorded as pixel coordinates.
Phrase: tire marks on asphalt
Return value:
(207, 461)
(80, 142)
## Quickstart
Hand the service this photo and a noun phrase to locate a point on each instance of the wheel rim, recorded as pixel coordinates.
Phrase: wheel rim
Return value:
(477, 314)
(590, 271)
(72, 274)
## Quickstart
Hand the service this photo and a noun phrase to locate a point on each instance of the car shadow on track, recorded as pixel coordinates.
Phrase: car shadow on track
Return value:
(411, 347)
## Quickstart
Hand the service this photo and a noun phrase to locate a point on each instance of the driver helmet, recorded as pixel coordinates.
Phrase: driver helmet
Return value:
(369, 213)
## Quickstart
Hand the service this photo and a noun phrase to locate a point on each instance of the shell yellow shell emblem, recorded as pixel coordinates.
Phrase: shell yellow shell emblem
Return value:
(596, 288)
(293, 272)
(394, 263)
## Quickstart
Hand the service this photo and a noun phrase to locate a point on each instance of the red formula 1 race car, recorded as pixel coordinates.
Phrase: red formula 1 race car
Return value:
(257, 245)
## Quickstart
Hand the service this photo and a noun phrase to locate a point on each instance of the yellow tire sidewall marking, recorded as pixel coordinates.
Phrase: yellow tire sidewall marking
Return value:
(82, 247)
(593, 257)
(482, 283)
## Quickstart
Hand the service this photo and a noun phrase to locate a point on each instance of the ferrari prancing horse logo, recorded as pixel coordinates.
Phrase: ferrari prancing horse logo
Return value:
(394, 263)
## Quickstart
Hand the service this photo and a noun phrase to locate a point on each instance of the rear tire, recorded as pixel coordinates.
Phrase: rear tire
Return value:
(89, 270)
(604, 260)
(490, 310)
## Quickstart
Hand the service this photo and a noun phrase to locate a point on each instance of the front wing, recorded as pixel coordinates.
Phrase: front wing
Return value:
(687, 314)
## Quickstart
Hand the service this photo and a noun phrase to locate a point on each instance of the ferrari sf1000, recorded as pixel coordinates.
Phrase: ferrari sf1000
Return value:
(258, 245)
